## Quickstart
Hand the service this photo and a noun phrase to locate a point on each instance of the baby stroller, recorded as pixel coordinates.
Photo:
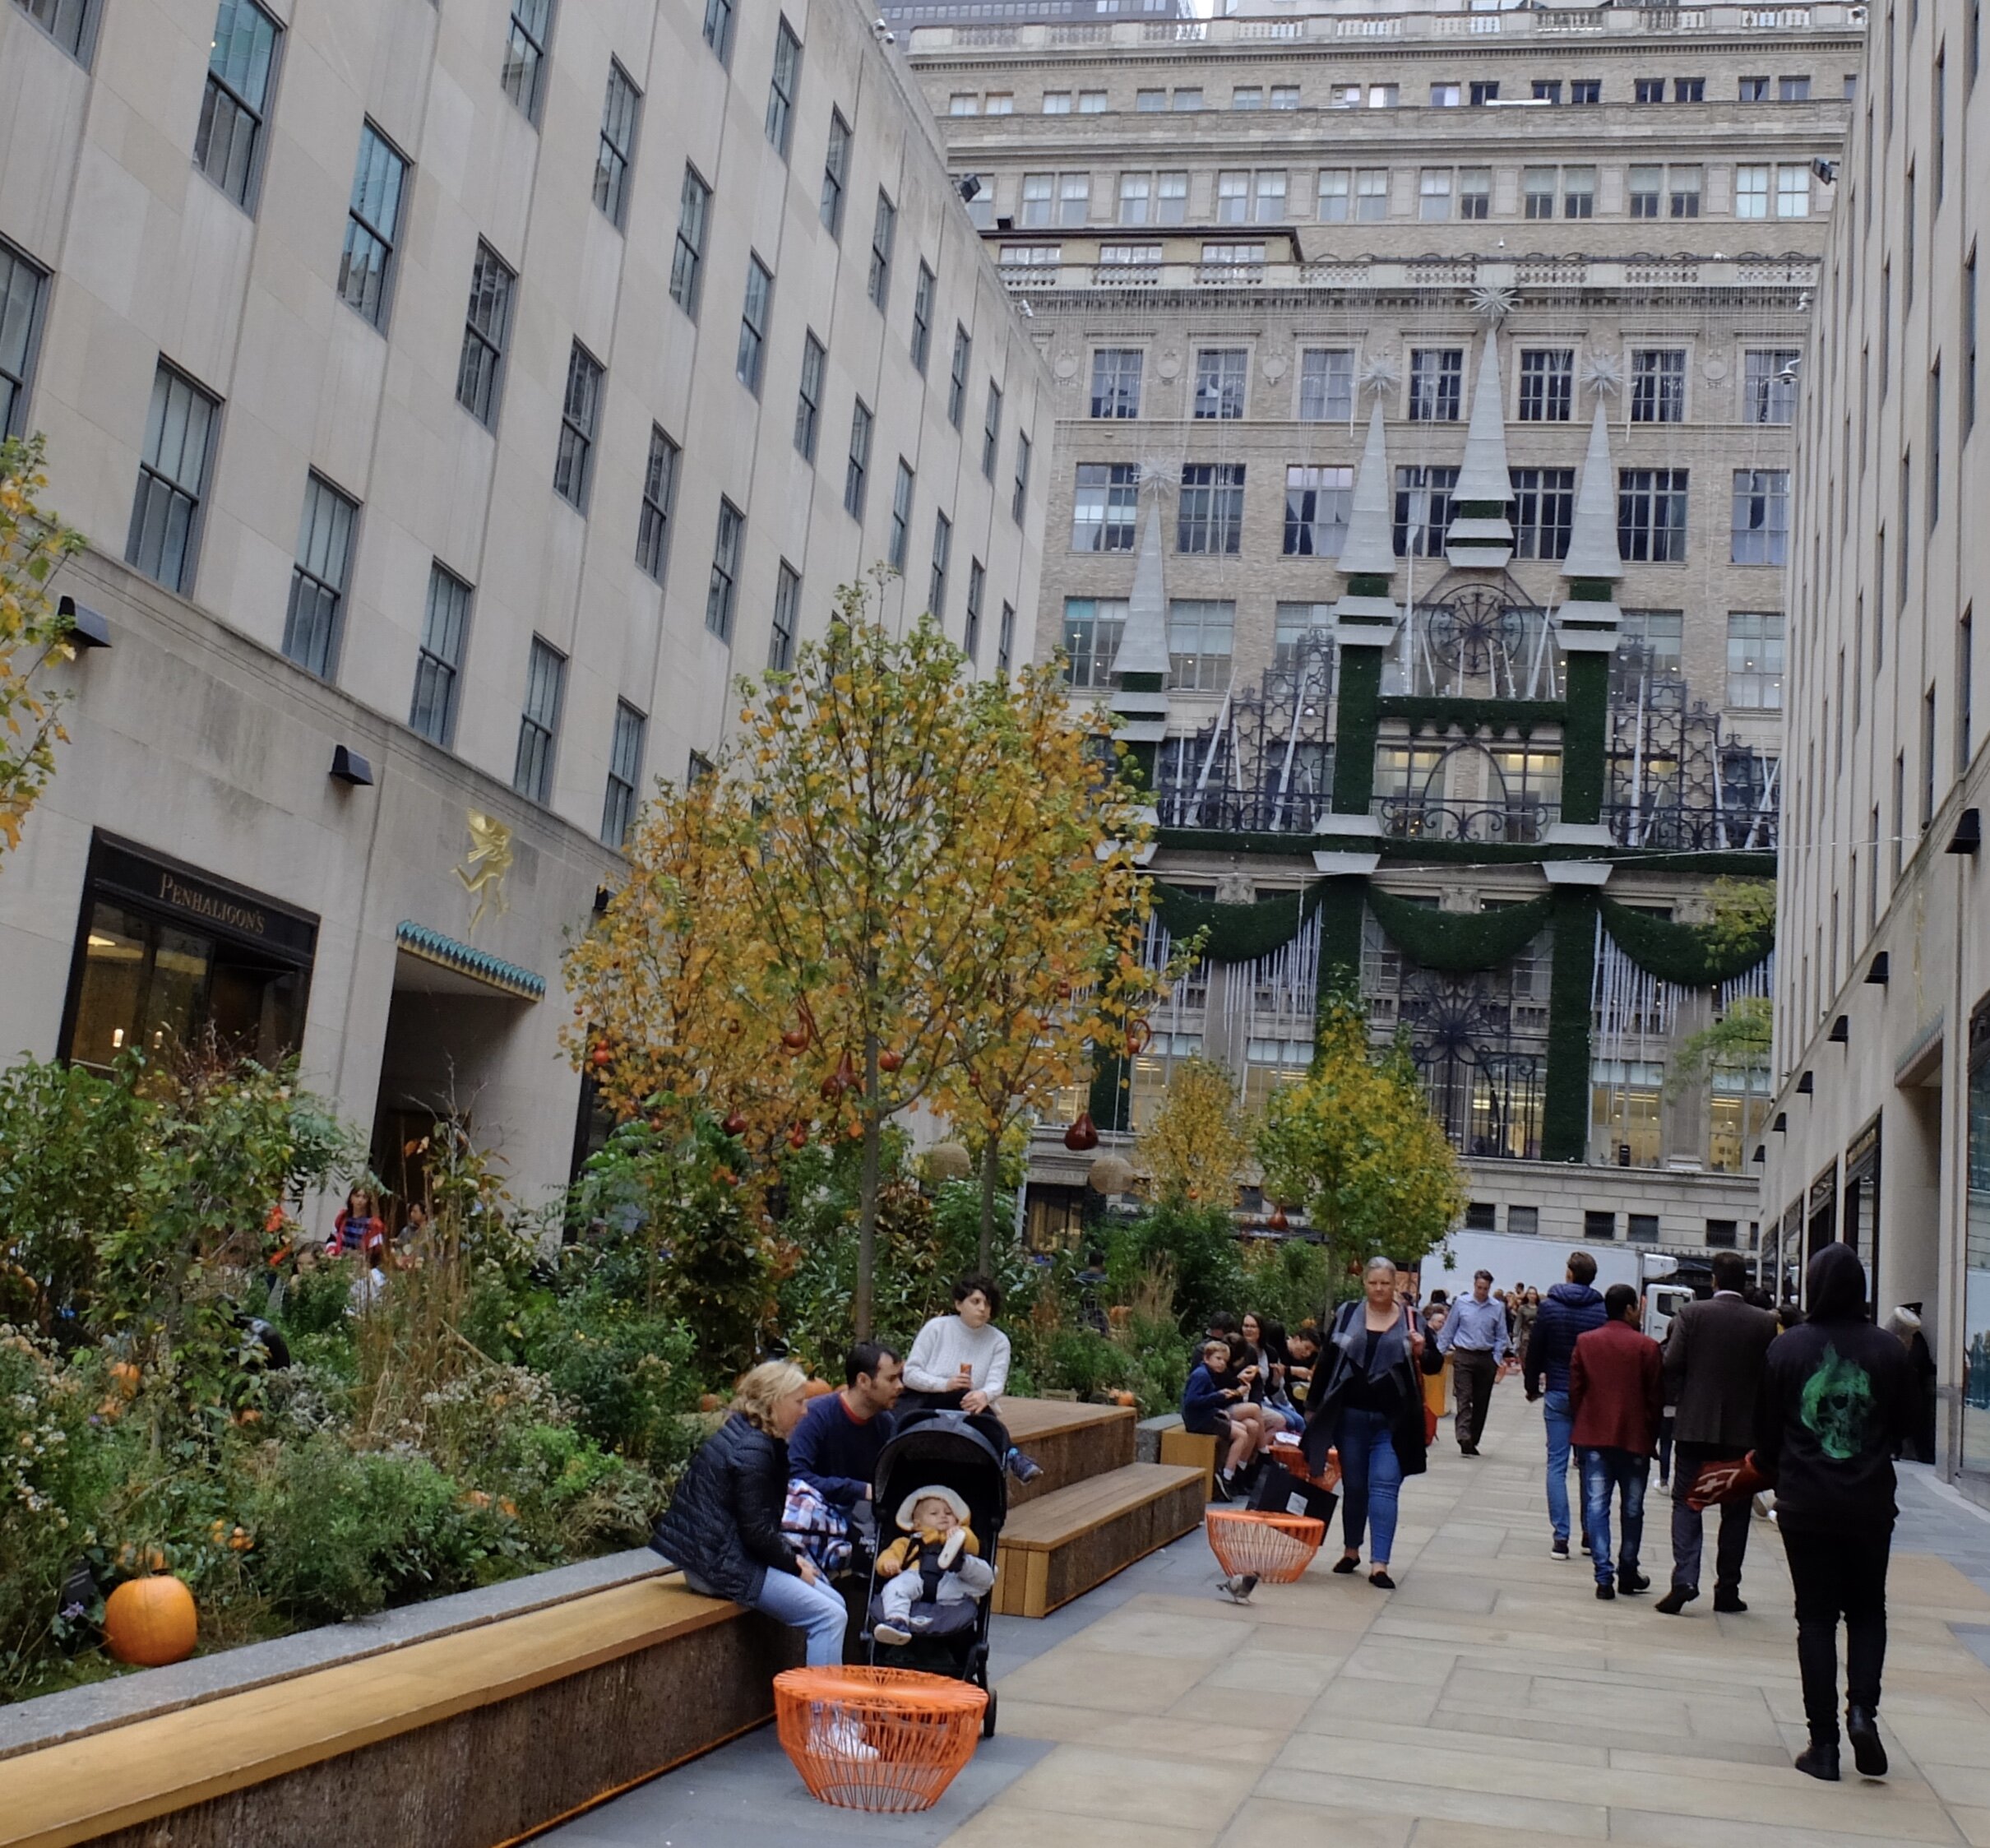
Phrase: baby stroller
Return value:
(963, 1452)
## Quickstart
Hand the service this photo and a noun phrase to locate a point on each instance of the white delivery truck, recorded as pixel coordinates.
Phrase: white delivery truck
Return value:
(1517, 1258)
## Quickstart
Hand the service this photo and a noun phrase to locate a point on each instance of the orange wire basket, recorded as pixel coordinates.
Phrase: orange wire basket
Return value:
(1273, 1549)
(881, 1740)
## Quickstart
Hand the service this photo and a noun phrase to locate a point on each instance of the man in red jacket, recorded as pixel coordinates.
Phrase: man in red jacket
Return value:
(1616, 1395)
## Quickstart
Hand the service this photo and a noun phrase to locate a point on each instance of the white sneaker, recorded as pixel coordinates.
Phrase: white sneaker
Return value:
(892, 1633)
(836, 1736)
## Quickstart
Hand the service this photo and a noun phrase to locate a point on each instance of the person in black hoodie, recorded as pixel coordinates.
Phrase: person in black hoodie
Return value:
(1838, 1396)
(1568, 1312)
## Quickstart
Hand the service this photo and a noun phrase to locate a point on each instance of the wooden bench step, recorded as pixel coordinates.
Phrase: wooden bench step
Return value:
(1055, 1548)
(427, 1721)
(1071, 1441)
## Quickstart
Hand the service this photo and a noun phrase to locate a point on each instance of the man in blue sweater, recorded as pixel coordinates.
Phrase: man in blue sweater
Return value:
(1568, 1312)
(835, 1447)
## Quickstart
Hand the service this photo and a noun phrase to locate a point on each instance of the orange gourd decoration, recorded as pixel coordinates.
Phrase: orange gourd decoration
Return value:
(818, 1388)
(734, 1125)
(890, 1061)
(1083, 1134)
(1279, 1222)
(150, 1622)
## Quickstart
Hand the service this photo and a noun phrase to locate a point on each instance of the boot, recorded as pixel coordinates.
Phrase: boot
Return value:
(1819, 1760)
(1862, 1728)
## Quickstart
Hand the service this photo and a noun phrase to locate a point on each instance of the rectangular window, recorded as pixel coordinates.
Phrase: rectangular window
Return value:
(1317, 504)
(725, 556)
(1792, 90)
(963, 101)
(922, 319)
(1537, 192)
(487, 323)
(1300, 629)
(1434, 194)
(1444, 96)
(1019, 500)
(1644, 189)
(624, 774)
(936, 584)
(522, 75)
(688, 260)
(1658, 385)
(1332, 207)
(539, 723)
(619, 113)
(1422, 510)
(1547, 385)
(1233, 198)
(1578, 191)
(1769, 385)
(1268, 198)
(1187, 98)
(439, 667)
(1105, 506)
(1436, 383)
(835, 174)
(1092, 628)
(1038, 192)
(1547, 89)
(1474, 192)
(658, 502)
(1543, 510)
(970, 634)
(1934, 444)
(1642, 1229)
(956, 377)
(1597, 1224)
(991, 430)
(1284, 95)
(782, 87)
(1200, 633)
(1689, 90)
(1793, 192)
(898, 542)
(1751, 192)
(1651, 515)
(1371, 194)
(1057, 102)
(1650, 647)
(240, 64)
(580, 416)
(1209, 518)
(1170, 198)
(1005, 639)
(1586, 90)
(1755, 660)
(372, 225)
(859, 463)
(1091, 102)
(1074, 200)
(20, 297)
(1649, 90)
(1150, 102)
(1219, 382)
(1927, 758)
(1326, 385)
(1251, 96)
(719, 28)
(163, 542)
(748, 361)
(787, 619)
(317, 581)
(884, 228)
(808, 398)
(1479, 94)
(1136, 198)
(1754, 90)
(1685, 191)
(1762, 517)
(1968, 344)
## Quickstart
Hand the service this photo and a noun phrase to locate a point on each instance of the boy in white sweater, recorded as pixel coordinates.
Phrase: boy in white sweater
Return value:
(961, 1362)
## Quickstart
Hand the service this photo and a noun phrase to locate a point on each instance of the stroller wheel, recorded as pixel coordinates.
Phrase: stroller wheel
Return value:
(988, 1716)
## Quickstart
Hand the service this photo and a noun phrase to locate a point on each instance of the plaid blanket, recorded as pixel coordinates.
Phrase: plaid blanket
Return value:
(820, 1530)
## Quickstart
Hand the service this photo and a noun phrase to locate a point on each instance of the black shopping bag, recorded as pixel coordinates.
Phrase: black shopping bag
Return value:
(1278, 1491)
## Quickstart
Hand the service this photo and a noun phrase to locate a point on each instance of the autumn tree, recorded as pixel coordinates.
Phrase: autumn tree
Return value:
(33, 633)
(1200, 1139)
(1355, 1144)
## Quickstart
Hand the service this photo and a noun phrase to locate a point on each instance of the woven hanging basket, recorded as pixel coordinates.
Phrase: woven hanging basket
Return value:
(1110, 1174)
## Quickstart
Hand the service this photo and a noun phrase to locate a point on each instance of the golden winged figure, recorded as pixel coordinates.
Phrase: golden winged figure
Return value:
(485, 866)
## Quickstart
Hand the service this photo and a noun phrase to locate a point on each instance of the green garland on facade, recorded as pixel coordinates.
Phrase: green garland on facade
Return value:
(1237, 932)
(1361, 685)
(1683, 953)
(1565, 1105)
(1458, 943)
(1583, 738)
(1425, 713)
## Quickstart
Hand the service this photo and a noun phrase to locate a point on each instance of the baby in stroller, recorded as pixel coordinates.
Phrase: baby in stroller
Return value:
(934, 1572)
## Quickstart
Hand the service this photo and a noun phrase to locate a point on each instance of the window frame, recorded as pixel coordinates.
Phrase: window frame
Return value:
(942, 556)
(1112, 490)
(320, 570)
(687, 252)
(924, 291)
(1210, 525)
(835, 176)
(719, 28)
(381, 296)
(166, 376)
(884, 235)
(440, 675)
(857, 462)
(722, 589)
(488, 348)
(783, 86)
(247, 188)
(539, 738)
(1657, 538)
(620, 798)
(1433, 387)
(17, 373)
(808, 397)
(523, 79)
(579, 428)
(756, 318)
(659, 503)
(784, 623)
(613, 160)
(898, 541)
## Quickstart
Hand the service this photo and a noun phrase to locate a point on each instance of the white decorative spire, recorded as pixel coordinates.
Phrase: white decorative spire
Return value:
(1366, 616)
(1480, 536)
(1592, 540)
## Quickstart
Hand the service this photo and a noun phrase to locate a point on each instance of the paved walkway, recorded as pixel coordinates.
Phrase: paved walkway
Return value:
(1490, 1701)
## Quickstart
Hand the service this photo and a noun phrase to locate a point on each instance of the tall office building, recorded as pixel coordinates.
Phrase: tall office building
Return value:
(1422, 389)
(455, 398)
(1880, 1131)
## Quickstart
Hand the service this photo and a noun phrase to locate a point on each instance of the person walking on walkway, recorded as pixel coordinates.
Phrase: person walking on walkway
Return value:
(1367, 1401)
(1614, 1400)
(1474, 1335)
(1570, 1309)
(1838, 1396)
(1714, 1353)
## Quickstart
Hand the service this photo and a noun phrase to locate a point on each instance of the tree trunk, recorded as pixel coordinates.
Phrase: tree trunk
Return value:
(867, 1207)
(991, 1175)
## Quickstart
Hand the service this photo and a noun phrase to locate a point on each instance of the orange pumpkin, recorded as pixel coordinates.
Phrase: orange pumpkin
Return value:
(150, 1622)
(817, 1388)
(127, 1376)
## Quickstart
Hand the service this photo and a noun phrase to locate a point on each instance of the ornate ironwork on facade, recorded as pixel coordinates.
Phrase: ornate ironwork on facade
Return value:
(1264, 764)
(1472, 637)
(1467, 789)
(1677, 782)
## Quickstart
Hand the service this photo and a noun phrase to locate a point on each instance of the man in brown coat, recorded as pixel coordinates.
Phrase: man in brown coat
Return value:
(1615, 1401)
(1714, 1355)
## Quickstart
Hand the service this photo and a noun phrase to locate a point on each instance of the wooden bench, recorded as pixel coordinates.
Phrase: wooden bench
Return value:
(1070, 1440)
(1060, 1545)
(1193, 1452)
(464, 1741)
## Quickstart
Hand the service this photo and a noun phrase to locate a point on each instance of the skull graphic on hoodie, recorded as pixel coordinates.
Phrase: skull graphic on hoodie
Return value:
(1838, 1406)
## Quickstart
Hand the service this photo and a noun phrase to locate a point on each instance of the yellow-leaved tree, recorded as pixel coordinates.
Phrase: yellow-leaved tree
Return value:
(1355, 1144)
(33, 633)
(1200, 1138)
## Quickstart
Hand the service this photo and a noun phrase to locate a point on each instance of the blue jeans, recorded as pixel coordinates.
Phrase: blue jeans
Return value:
(1603, 1469)
(1371, 1480)
(1556, 1415)
(790, 1599)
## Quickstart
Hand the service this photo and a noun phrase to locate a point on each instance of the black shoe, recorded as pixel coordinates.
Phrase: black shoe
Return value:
(1863, 1729)
(1819, 1762)
(1468, 1450)
(1221, 1485)
(1631, 1583)
(1605, 1590)
(1381, 1582)
(1024, 1469)
(1675, 1600)
(1345, 1564)
(1557, 1549)
(1730, 1602)
(1586, 1547)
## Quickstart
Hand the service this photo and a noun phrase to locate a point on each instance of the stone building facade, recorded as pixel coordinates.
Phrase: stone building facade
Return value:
(1279, 265)
(1880, 1131)
(456, 400)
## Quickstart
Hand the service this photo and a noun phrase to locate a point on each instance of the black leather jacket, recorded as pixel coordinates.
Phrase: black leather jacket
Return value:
(724, 1525)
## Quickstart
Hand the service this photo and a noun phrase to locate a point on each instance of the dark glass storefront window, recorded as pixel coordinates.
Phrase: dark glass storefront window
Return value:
(1976, 1272)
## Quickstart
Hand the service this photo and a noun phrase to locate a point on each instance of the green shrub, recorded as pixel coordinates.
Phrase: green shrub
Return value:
(1291, 1280)
(1199, 1243)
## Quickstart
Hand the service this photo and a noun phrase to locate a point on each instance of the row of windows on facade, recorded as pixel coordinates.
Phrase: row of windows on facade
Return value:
(1362, 195)
(1545, 381)
(1202, 631)
(1640, 1229)
(1651, 511)
(1444, 94)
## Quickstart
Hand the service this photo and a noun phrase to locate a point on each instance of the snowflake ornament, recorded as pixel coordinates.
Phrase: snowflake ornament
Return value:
(1604, 374)
(1381, 375)
(1491, 302)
